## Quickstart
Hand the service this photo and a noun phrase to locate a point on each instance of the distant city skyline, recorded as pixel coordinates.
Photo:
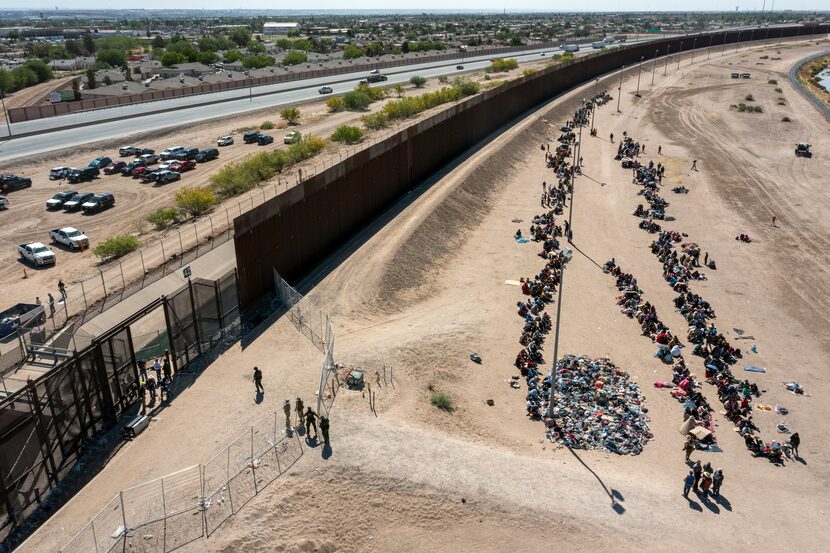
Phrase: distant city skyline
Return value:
(439, 5)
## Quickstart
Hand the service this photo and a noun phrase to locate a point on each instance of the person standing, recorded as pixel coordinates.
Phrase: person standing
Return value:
(157, 369)
(324, 428)
(166, 368)
(694, 165)
(612, 138)
(687, 484)
(659, 150)
(310, 420)
(697, 472)
(62, 289)
(689, 447)
(286, 407)
(298, 408)
(717, 480)
(37, 300)
(51, 305)
(774, 218)
(795, 440)
(258, 380)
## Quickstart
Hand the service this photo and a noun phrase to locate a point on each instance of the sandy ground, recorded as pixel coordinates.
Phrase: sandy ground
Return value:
(427, 287)
(27, 220)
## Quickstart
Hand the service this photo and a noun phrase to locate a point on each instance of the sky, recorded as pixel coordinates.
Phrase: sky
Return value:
(426, 5)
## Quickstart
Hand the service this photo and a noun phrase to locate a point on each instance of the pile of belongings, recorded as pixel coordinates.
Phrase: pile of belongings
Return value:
(597, 406)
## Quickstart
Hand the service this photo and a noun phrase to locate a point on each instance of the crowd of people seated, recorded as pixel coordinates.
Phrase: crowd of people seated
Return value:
(680, 266)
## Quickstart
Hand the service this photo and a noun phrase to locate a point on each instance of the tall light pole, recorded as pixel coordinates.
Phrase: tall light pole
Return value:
(619, 89)
(639, 72)
(567, 255)
(594, 110)
(665, 67)
(654, 67)
(5, 113)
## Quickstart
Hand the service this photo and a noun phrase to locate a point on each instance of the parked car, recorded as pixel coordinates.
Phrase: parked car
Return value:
(127, 151)
(100, 162)
(459, 67)
(250, 137)
(141, 172)
(170, 153)
(224, 141)
(374, 71)
(292, 137)
(36, 253)
(149, 175)
(4, 202)
(75, 202)
(57, 201)
(325, 90)
(83, 175)
(127, 170)
(114, 167)
(264, 139)
(207, 154)
(188, 153)
(182, 166)
(163, 177)
(10, 183)
(99, 203)
(148, 159)
(59, 173)
(69, 236)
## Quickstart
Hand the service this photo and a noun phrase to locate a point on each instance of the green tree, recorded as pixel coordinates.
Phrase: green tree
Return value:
(290, 115)
(163, 217)
(294, 57)
(90, 79)
(233, 55)
(347, 134)
(7, 82)
(115, 58)
(76, 89)
(241, 36)
(256, 48)
(172, 58)
(351, 51)
(43, 71)
(75, 47)
(208, 58)
(159, 42)
(184, 48)
(89, 43)
(195, 200)
(405, 47)
(418, 81)
(257, 62)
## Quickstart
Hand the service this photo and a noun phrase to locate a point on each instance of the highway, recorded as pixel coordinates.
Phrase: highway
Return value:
(66, 131)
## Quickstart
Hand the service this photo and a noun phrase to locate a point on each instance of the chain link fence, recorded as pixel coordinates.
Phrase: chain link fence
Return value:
(169, 512)
(303, 313)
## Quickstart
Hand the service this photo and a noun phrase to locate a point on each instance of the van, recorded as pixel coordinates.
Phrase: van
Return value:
(735, 75)
(598, 45)
(745, 75)
(571, 47)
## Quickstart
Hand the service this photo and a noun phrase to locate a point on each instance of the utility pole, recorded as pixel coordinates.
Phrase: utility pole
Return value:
(594, 111)
(567, 255)
(5, 113)
(619, 89)
(654, 67)
(639, 72)
(679, 55)
(665, 67)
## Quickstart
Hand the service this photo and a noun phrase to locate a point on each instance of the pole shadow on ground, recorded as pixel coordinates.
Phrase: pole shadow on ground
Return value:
(615, 496)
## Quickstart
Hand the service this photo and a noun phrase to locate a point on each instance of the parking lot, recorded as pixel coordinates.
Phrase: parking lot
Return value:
(27, 219)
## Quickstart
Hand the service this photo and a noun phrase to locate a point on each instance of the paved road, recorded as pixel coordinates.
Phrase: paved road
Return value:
(110, 123)
(89, 127)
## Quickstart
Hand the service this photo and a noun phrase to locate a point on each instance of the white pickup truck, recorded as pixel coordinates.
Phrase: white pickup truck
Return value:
(69, 236)
(36, 253)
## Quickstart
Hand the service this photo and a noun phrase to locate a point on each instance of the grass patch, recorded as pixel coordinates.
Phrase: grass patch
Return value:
(749, 98)
(442, 401)
(267, 125)
(163, 217)
(778, 90)
(347, 134)
(782, 103)
(502, 66)
(772, 81)
(786, 120)
(375, 121)
(758, 109)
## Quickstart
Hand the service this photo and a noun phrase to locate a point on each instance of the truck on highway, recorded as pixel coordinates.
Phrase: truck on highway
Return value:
(570, 47)
(36, 253)
(70, 237)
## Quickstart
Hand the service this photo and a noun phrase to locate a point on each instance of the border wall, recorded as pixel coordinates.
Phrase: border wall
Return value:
(295, 231)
